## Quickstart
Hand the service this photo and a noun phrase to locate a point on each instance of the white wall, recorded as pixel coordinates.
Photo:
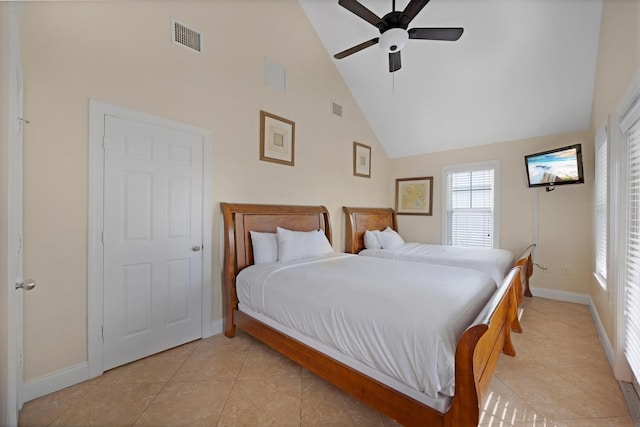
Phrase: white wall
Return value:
(564, 215)
(122, 54)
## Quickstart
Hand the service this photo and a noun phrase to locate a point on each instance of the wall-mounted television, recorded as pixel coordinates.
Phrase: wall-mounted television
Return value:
(555, 167)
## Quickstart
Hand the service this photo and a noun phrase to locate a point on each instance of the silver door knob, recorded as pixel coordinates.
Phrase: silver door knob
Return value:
(196, 248)
(27, 285)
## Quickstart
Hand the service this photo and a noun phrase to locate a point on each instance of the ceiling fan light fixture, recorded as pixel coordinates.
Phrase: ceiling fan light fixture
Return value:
(393, 40)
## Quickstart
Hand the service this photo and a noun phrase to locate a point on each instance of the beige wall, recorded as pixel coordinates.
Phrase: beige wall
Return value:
(618, 61)
(564, 215)
(4, 207)
(76, 51)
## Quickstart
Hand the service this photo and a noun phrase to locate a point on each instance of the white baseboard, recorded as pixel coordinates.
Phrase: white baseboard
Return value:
(561, 295)
(54, 381)
(633, 402)
(216, 327)
(604, 340)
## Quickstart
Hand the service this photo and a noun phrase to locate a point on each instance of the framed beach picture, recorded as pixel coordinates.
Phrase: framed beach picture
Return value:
(414, 196)
(361, 160)
(277, 139)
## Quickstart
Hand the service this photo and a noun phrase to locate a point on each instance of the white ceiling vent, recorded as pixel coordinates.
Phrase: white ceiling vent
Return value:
(185, 36)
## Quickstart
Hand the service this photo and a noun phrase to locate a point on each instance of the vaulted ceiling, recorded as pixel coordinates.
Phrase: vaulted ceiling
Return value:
(522, 68)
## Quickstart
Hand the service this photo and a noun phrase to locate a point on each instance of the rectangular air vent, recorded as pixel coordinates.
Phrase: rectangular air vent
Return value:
(336, 109)
(185, 36)
(275, 75)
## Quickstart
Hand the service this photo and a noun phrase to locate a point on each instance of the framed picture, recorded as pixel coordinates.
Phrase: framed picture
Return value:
(414, 196)
(277, 139)
(361, 160)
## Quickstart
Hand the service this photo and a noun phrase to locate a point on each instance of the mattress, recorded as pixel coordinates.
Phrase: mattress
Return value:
(495, 262)
(401, 320)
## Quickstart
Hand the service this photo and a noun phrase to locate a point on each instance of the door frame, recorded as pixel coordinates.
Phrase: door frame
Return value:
(15, 230)
(97, 112)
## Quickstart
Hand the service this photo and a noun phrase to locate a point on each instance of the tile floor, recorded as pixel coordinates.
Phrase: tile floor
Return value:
(560, 377)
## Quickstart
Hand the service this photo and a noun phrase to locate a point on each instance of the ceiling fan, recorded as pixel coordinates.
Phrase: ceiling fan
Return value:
(393, 30)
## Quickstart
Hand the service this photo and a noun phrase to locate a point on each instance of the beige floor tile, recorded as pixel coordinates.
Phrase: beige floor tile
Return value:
(325, 405)
(240, 342)
(264, 362)
(264, 402)
(187, 404)
(550, 394)
(110, 405)
(213, 363)
(551, 325)
(44, 410)
(596, 422)
(157, 368)
(537, 422)
(596, 393)
(558, 352)
(503, 406)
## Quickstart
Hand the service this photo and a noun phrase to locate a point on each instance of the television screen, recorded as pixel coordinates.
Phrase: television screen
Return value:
(555, 167)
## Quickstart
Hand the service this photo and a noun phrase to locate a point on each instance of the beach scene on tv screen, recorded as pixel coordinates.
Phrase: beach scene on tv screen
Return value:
(553, 167)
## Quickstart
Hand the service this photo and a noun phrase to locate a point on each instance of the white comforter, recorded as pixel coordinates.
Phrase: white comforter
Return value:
(400, 318)
(495, 262)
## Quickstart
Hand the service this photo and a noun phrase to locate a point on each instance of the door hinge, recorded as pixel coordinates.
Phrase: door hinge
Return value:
(102, 332)
(104, 142)
(20, 359)
(102, 236)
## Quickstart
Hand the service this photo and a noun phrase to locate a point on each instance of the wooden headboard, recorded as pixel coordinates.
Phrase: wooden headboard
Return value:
(240, 219)
(359, 220)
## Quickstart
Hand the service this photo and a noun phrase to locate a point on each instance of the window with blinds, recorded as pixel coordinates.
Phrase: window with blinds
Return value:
(470, 201)
(601, 209)
(632, 264)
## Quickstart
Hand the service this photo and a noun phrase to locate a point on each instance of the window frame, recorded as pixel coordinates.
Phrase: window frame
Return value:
(470, 167)
(600, 140)
(627, 113)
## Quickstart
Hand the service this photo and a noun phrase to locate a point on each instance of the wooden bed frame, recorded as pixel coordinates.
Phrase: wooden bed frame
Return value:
(359, 220)
(477, 351)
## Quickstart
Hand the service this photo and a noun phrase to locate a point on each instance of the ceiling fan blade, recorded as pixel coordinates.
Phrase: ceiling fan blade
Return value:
(394, 61)
(413, 8)
(356, 8)
(448, 34)
(356, 48)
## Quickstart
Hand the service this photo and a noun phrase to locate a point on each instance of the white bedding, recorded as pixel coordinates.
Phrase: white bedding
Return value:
(402, 319)
(495, 262)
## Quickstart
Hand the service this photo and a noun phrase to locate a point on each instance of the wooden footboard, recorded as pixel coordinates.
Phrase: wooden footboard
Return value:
(526, 263)
(521, 285)
(477, 351)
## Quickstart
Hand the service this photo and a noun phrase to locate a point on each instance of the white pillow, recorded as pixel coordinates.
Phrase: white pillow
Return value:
(389, 239)
(293, 245)
(371, 239)
(265, 247)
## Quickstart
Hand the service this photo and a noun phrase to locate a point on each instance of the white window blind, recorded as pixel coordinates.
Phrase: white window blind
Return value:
(470, 219)
(632, 265)
(601, 209)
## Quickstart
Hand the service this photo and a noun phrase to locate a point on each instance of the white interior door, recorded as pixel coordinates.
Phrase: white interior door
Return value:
(153, 236)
